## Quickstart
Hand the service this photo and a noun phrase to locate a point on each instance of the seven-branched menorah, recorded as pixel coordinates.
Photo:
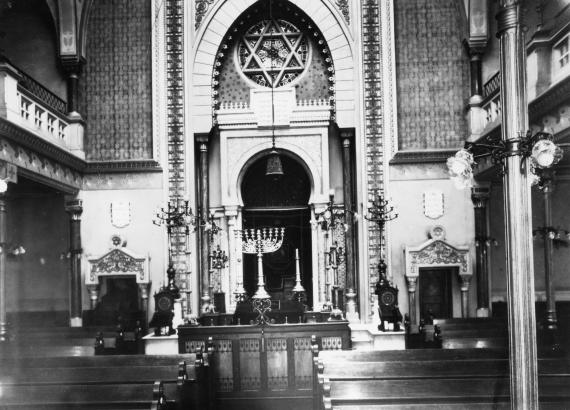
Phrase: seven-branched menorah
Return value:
(259, 241)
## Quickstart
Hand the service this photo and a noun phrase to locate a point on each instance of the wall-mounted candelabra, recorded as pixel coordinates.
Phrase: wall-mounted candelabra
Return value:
(259, 241)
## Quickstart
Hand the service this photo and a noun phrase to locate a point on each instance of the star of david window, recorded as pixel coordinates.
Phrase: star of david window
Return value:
(273, 53)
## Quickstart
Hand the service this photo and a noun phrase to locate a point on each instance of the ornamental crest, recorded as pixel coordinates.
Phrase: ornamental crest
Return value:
(439, 253)
(117, 262)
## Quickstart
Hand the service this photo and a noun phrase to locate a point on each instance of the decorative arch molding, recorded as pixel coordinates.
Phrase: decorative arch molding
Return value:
(437, 252)
(250, 153)
(217, 21)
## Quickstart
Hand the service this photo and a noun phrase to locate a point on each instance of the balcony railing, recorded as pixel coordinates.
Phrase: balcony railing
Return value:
(41, 93)
(31, 106)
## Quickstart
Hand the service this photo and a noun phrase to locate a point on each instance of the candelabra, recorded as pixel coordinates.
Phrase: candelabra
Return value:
(329, 220)
(381, 212)
(259, 241)
(333, 258)
(216, 260)
(178, 219)
(298, 289)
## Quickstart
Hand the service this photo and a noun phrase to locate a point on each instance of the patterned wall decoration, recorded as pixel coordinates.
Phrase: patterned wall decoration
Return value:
(175, 127)
(116, 88)
(372, 60)
(427, 66)
(317, 82)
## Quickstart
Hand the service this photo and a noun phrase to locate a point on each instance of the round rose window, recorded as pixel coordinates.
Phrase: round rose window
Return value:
(273, 53)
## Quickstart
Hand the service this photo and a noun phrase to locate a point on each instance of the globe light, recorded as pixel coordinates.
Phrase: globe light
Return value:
(3, 186)
(545, 154)
(461, 163)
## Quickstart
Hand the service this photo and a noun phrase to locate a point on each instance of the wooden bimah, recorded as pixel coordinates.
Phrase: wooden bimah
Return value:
(255, 365)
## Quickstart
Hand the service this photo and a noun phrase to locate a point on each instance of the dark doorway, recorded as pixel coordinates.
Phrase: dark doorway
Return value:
(435, 293)
(280, 203)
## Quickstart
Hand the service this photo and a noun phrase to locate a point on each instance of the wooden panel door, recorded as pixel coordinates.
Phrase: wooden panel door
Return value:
(435, 293)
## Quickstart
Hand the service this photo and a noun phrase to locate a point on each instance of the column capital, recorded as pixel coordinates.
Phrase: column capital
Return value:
(346, 134)
(74, 207)
(509, 15)
(480, 195)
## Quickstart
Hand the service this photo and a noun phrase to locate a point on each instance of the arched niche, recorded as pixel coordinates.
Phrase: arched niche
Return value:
(279, 203)
(223, 15)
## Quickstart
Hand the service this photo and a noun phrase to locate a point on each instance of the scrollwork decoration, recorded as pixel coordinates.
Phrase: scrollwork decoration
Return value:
(202, 7)
(343, 7)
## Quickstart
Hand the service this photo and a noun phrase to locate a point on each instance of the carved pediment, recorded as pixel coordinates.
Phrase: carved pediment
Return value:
(118, 262)
(439, 253)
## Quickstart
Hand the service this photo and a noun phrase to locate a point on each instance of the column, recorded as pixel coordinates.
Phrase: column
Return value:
(547, 188)
(412, 281)
(74, 207)
(204, 234)
(315, 258)
(465, 280)
(480, 196)
(3, 319)
(517, 204)
(351, 306)
(73, 91)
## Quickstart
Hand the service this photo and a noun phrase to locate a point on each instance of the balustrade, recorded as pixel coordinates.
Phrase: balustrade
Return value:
(28, 104)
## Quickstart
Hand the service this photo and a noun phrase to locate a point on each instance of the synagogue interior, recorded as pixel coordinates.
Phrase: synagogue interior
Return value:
(284, 204)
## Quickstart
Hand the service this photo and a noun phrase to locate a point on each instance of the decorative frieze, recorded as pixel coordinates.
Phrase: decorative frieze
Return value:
(175, 125)
(372, 77)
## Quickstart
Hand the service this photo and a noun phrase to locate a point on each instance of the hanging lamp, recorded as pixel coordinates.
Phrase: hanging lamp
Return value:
(274, 168)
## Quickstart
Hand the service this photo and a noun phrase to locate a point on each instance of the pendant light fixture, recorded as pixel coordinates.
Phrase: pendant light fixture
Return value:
(274, 168)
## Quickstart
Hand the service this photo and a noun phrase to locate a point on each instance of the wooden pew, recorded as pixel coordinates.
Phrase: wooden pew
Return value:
(412, 379)
(195, 388)
(466, 333)
(102, 382)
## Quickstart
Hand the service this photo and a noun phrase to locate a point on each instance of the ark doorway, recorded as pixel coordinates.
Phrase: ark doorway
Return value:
(435, 293)
(282, 202)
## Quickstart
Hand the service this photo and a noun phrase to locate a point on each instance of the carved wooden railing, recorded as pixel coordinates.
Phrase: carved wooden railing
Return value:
(262, 363)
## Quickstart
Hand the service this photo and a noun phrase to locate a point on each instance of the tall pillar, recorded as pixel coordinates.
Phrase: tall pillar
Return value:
(480, 196)
(206, 298)
(517, 204)
(412, 282)
(351, 307)
(73, 68)
(3, 319)
(547, 188)
(465, 280)
(74, 207)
